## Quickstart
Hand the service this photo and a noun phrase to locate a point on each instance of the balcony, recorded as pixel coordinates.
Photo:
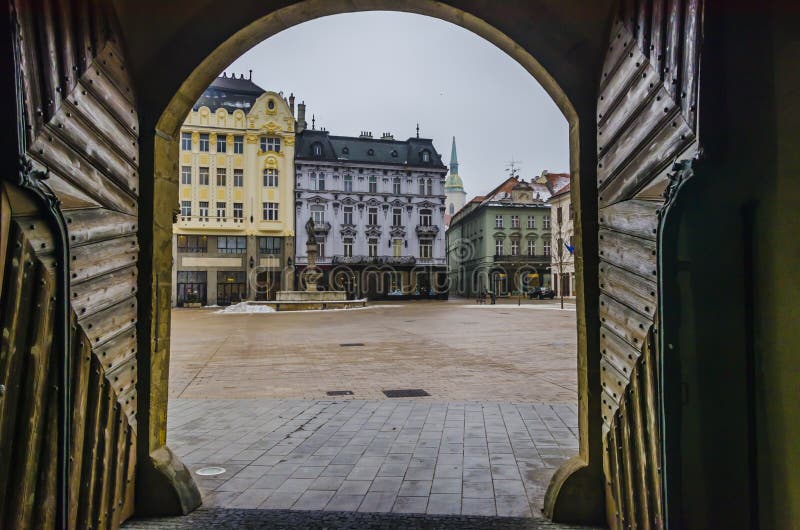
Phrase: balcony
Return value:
(322, 228)
(431, 261)
(374, 260)
(427, 230)
(209, 221)
(522, 258)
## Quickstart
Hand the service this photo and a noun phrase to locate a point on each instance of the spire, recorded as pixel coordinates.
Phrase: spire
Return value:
(454, 159)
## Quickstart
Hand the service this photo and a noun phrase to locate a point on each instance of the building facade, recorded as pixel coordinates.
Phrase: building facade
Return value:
(378, 207)
(234, 234)
(455, 195)
(501, 242)
(562, 245)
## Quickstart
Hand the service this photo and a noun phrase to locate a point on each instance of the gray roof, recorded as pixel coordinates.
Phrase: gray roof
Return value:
(357, 150)
(230, 93)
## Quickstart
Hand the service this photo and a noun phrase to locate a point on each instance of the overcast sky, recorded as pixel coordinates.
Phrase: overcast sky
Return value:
(384, 72)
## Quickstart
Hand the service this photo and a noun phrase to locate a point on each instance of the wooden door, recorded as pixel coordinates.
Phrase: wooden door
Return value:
(646, 122)
(79, 126)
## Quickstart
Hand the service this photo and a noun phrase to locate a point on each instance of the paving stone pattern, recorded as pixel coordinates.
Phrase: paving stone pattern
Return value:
(387, 456)
(238, 518)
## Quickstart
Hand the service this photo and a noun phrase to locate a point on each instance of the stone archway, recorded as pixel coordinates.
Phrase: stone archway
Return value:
(576, 492)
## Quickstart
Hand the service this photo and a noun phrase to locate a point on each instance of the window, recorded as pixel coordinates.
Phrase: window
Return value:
(426, 156)
(316, 149)
(186, 174)
(222, 144)
(270, 211)
(238, 211)
(222, 176)
(238, 145)
(372, 216)
(570, 211)
(348, 247)
(320, 182)
(318, 213)
(558, 214)
(221, 211)
(204, 143)
(425, 248)
(270, 246)
(373, 184)
(546, 221)
(348, 183)
(430, 186)
(348, 215)
(515, 247)
(238, 178)
(186, 208)
(531, 221)
(270, 178)
(321, 247)
(515, 221)
(546, 246)
(397, 217)
(269, 143)
(202, 176)
(422, 186)
(498, 247)
(531, 247)
(396, 185)
(498, 221)
(426, 217)
(231, 244)
(372, 246)
(452, 208)
(186, 141)
(397, 248)
(194, 244)
(204, 210)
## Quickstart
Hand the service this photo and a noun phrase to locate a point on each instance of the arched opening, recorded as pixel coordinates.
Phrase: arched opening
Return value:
(165, 190)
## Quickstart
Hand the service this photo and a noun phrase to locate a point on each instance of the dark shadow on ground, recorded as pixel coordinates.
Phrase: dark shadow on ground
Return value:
(247, 519)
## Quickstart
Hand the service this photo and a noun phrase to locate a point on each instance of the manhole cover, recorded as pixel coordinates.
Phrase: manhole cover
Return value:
(339, 392)
(351, 344)
(210, 471)
(405, 392)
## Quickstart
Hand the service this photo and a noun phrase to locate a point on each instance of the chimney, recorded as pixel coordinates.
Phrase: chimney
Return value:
(291, 103)
(365, 134)
(387, 136)
(301, 118)
(251, 75)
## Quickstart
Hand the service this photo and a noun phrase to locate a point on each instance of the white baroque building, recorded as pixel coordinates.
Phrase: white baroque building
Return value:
(378, 206)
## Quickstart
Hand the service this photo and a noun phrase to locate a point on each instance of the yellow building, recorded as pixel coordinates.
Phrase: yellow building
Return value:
(234, 235)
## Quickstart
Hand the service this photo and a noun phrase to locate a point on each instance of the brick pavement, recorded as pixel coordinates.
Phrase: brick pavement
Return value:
(392, 456)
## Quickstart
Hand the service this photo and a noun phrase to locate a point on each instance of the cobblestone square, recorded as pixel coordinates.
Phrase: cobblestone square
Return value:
(249, 394)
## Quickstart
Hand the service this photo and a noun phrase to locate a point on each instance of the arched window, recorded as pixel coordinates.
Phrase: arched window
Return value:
(316, 149)
(452, 208)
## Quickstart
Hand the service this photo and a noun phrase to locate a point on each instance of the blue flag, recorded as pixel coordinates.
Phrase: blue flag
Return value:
(570, 248)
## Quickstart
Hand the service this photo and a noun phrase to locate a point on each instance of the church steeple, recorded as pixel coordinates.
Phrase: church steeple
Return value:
(454, 159)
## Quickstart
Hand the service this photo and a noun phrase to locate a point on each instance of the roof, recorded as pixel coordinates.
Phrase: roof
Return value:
(366, 150)
(555, 181)
(562, 191)
(231, 93)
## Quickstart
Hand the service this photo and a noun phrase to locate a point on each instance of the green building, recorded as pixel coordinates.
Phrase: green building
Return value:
(501, 242)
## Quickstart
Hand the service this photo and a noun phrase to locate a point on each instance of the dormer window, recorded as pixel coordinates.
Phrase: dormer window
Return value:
(371, 152)
(394, 154)
(271, 104)
(316, 149)
(345, 150)
(426, 156)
